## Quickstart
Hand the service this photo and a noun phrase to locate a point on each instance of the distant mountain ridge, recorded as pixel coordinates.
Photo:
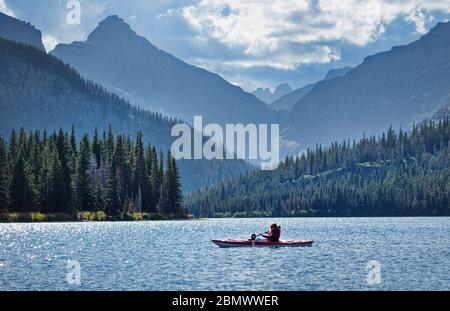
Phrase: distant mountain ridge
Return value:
(128, 64)
(390, 88)
(268, 97)
(404, 173)
(289, 100)
(19, 31)
(338, 72)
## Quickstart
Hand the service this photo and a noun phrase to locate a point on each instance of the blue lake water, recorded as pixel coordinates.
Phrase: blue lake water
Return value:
(413, 254)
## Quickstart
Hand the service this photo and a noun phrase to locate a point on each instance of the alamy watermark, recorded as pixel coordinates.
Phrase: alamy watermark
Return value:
(373, 268)
(73, 17)
(73, 276)
(235, 141)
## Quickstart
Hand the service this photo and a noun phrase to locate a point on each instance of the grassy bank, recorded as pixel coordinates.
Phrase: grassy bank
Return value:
(86, 216)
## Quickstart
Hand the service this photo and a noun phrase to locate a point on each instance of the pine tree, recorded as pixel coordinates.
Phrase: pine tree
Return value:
(176, 194)
(72, 151)
(110, 145)
(4, 178)
(155, 181)
(98, 198)
(23, 144)
(96, 149)
(112, 199)
(35, 170)
(65, 188)
(45, 174)
(13, 149)
(172, 198)
(56, 197)
(20, 189)
(141, 184)
(83, 186)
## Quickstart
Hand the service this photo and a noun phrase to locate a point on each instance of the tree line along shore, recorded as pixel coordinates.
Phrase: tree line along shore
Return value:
(53, 177)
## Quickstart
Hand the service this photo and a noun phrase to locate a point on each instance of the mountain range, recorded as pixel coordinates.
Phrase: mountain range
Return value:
(289, 100)
(129, 65)
(38, 91)
(267, 96)
(396, 87)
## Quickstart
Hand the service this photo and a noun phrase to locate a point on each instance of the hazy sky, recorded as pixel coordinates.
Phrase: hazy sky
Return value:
(250, 43)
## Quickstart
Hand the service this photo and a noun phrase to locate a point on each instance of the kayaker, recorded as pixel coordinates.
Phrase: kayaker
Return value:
(274, 234)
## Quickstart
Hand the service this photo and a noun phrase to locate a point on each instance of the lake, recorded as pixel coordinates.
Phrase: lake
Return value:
(404, 254)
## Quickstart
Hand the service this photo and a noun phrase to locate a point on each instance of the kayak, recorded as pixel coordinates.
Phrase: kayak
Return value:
(251, 243)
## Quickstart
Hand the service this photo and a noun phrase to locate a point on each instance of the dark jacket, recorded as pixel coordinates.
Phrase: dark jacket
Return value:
(273, 235)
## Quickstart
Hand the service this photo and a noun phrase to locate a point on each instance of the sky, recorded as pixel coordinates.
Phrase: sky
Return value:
(251, 43)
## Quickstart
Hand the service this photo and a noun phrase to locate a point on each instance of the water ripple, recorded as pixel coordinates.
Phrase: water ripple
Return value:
(414, 254)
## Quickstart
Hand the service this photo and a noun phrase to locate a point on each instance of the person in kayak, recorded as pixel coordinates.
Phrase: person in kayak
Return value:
(274, 234)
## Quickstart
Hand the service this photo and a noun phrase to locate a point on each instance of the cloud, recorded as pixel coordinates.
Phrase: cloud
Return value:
(290, 60)
(49, 42)
(420, 18)
(4, 8)
(284, 34)
(251, 42)
(64, 32)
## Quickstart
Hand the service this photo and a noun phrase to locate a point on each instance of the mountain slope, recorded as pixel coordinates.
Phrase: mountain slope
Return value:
(115, 56)
(338, 72)
(390, 88)
(441, 113)
(288, 101)
(38, 91)
(16, 30)
(398, 174)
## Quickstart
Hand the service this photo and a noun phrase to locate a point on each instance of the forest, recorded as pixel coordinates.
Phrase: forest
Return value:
(109, 176)
(55, 96)
(404, 173)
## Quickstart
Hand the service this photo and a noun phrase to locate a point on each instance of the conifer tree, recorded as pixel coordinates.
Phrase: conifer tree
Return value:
(83, 186)
(96, 149)
(35, 170)
(4, 178)
(20, 188)
(172, 198)
(72, 151)
(141, 184)
(112, 199)
(13, 149)
(114, 175)
(64, 173)
(56, 196)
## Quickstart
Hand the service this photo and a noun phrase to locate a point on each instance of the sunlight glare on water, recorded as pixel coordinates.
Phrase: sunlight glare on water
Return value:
(414, 254)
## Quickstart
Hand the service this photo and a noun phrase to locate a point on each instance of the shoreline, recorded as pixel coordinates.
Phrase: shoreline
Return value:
(34, 217)
(189, 217)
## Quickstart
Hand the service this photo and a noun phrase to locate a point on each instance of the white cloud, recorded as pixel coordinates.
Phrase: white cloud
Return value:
(270, 32)
(4, 8)
(49, 42)
(419, 17)
(66, 32)
(288, 61)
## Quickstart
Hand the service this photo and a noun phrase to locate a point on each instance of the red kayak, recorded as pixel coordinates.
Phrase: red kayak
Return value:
(251, 243)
